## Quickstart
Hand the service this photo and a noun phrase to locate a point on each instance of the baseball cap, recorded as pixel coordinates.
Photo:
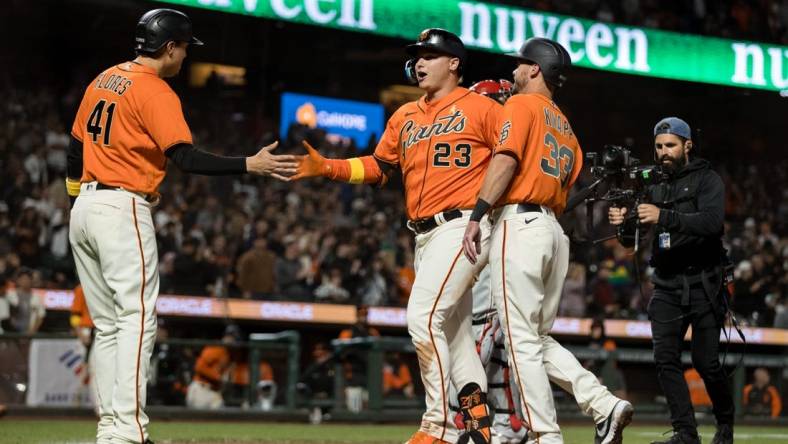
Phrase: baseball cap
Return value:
(673, 125)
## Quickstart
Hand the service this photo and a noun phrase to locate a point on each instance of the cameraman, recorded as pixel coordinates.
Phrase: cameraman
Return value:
(687, 255)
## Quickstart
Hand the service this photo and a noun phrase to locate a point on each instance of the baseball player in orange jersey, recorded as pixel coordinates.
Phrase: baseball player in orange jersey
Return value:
(128, 125)
(593, 398)
(537, 160)
(442, 144)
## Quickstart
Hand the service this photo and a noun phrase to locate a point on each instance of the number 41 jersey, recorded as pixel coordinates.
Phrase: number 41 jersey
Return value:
(443, 148)
(127, 119)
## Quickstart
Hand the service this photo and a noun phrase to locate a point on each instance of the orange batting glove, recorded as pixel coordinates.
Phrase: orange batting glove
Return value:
(312, 164)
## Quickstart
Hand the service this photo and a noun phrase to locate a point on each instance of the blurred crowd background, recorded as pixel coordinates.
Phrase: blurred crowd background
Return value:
(319, 241)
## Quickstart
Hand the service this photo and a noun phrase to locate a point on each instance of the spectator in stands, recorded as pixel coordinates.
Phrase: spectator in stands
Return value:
(374, 289)
(256, 277)
(211, 372)
(573, 299)
(292, 273)
(26, 311)
(192, 275)
(330, 289)
(606, 369)
(406, 275)
(761, 397)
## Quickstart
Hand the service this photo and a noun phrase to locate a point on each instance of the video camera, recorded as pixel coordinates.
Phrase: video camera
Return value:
(629, 179)
(627, 186)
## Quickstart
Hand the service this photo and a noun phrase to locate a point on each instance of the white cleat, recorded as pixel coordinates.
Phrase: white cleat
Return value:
(611, 430)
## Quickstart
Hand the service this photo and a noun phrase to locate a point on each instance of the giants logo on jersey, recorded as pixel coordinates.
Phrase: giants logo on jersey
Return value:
(504, 132)
(412, 134)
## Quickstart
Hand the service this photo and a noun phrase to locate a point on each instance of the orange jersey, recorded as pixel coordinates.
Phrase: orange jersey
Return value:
(443, 149)
(79, 308)
(538, 135)
(127, 119)
(213, 362)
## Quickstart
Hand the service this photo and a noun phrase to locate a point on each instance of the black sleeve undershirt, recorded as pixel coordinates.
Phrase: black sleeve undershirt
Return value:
(74, 159)
(191, 160)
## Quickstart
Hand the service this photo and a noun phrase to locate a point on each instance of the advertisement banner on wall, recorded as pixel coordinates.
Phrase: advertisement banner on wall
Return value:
(360, 121)
(497, 28)
(58, 375)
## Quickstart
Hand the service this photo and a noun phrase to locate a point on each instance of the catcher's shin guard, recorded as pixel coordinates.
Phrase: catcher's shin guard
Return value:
(476, 416)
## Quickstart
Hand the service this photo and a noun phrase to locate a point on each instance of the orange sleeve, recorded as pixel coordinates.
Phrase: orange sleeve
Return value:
(266, 372)
(746, 395)
(355, 170)
(777, 404)
(515, 123)
(387, 149)
(211, 363)
(162, 115)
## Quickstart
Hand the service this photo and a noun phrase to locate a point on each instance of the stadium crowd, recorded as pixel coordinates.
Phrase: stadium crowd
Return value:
(320, 241)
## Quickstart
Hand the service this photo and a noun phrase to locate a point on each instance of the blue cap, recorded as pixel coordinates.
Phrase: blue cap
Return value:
(673, 125)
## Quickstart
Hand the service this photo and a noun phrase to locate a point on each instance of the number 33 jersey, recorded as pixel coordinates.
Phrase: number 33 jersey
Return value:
(127, 119)
(536, 133)
(443, 148)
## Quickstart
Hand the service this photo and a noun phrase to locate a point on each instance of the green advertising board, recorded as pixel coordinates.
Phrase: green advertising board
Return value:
(499, 28)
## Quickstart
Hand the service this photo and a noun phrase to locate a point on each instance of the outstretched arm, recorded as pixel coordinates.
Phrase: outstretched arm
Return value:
(365, 169)
(264, 163)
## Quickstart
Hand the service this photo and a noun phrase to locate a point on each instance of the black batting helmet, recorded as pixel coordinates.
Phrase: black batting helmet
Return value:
(159, 26)
(439, 40)
(552, 58)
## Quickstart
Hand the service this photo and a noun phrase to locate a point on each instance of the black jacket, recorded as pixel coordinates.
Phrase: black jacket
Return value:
(691, 212)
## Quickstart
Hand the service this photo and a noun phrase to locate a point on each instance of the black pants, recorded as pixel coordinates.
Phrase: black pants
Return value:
(669, 323)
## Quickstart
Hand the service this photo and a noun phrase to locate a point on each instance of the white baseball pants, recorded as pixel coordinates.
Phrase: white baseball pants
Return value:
(439, 320)
(114, 245)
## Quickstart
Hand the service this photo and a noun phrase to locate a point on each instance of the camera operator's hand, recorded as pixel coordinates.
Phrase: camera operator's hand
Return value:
(648, 213)
(616, 215)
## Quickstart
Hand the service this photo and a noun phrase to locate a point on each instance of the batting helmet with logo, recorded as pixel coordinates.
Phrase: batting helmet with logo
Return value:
(552, 58)
(159, 26)
(439, 40)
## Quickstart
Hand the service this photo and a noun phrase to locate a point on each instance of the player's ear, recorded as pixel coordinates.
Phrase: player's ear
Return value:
(454, 64)
(687, 146)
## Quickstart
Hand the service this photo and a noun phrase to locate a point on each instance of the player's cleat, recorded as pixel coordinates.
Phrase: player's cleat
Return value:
(148, 441)
(681, 437)
(424, 438)
(611, 430)
(724, 434)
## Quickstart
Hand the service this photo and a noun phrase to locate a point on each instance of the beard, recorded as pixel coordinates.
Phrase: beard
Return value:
(674, 163)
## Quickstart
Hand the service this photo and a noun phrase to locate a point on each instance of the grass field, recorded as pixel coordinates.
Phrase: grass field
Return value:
(47, 431)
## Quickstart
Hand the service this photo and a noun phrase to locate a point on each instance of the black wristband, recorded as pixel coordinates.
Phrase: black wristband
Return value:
(479, 210)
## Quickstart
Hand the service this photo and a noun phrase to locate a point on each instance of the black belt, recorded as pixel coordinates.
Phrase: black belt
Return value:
(421, 226)
(529, 208)
(147, 197)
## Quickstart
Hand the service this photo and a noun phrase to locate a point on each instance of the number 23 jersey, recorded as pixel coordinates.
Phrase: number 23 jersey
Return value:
(127, 119)
(443, 148)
